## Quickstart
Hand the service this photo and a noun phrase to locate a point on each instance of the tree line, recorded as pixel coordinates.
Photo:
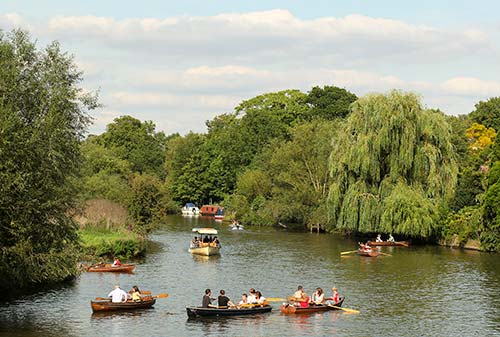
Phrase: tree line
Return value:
(381, 163)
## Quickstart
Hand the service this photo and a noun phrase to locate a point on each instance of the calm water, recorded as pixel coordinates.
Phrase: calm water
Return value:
(420, 291)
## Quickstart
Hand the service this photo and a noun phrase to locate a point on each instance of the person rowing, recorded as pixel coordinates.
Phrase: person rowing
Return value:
(300, 298)
(391, 238)
(207, 300)
(379, 238)
(224, 301)
(335, 297)
(318, 297)
(365, 247)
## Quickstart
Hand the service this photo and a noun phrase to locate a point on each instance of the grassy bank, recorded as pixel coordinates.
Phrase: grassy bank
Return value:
(102, 242)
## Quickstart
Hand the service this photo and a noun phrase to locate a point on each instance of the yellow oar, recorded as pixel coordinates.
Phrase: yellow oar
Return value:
(350, 252)
(352, 311)
(161, 296)
(275, 299)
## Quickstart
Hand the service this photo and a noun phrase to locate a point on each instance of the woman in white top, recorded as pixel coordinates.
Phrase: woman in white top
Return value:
(260, 299)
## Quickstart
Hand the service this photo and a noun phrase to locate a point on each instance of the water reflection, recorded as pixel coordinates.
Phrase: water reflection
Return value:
(206, 259)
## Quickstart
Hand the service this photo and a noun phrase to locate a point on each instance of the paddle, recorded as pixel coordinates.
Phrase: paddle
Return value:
(353, 311)
(384, 254)
(350, 252)
(275, 299)
(161, 296)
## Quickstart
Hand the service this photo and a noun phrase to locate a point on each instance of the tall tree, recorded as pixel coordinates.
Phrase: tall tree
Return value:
(487, 113)
(329, 102)
(393, 167)
(43, 116)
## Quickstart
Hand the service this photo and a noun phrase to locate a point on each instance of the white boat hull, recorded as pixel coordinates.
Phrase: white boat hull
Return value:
(205, 251)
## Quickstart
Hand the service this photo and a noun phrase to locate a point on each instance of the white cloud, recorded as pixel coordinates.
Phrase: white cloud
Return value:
(471, 86)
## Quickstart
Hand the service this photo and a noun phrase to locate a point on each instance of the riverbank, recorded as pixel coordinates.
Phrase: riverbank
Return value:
(101, 242)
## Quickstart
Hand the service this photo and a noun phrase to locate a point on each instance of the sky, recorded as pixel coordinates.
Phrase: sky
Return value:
(181, 63)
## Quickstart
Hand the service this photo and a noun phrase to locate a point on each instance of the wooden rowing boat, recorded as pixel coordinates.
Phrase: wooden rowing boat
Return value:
(193, 312)
(100, 268)
(107, 305)
(370, 253)
(287, 308)
(388, 243)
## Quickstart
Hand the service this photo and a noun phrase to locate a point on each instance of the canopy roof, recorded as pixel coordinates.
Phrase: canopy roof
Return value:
(210, 231)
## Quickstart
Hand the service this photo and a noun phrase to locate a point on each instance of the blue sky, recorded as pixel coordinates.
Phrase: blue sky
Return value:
(180, 63)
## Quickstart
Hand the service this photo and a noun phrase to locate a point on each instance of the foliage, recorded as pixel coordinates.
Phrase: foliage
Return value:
(393, 167)
(329, 102)
(480, 137)
(101, 242)
(464, 224)
(490, 232)
(487, 113)
(43, 116)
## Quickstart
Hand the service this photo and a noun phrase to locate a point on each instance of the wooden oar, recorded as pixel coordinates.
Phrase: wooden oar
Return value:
(275, 299)
(350, 252)
(384, 254)
(161, 296)
(353, 311)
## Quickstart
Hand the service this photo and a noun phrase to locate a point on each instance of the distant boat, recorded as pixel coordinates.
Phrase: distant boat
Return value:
(190, 209)
(205, 248)
(236, 227)
(209, 210)
(100, 305)
(219, 215)
(389, 243)
(101, 268)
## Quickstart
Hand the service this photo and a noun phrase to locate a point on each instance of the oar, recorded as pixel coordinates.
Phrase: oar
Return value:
(384, 254)
(353, 311)
(275, 299)
(352, 251)
(161, 296)
(103, 299)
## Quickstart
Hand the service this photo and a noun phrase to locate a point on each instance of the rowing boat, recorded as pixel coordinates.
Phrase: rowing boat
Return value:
(369, 253)
(124, 268)
(388, 243)
(107, 305)
(287, 308)
(204, 312)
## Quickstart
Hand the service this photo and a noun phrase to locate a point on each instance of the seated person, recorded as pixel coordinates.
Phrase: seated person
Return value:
(207, 300)
(244, 301)
(379, 238)
(334, 299)
(251, 297)
(135, 294)
(224, 301)
(260, 299)
(118, 295)
(318, 297)
(391, 238)
(194, 242)
(116, 262)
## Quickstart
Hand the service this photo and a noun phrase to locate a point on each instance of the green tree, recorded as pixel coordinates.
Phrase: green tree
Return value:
(43, 116)
(487, 113)
(393, 167)
(329, 102)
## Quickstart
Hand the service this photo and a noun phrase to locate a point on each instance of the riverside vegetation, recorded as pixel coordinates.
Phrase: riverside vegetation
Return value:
(381, 163)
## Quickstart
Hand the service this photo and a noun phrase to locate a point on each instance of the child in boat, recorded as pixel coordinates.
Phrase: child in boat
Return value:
(335, 297)
(260, 299)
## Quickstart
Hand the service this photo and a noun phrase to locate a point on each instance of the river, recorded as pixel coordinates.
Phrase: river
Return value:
(417, 291)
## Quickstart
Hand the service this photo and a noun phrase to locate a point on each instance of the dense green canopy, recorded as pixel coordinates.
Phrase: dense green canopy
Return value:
(392, 166)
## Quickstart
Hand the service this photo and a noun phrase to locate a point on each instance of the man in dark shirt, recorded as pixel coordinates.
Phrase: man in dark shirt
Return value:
(224, 301)
(207, 300)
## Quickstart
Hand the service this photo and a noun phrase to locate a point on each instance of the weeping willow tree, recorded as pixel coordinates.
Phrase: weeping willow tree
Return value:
(392, 167)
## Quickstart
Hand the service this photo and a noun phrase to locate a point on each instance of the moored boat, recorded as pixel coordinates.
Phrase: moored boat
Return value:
(287, 308)
(190, 209)
(389, 243)
(209, 210)
(108, 267)
(207, 244)
(193, 312)
(219, 215)
(101, 305)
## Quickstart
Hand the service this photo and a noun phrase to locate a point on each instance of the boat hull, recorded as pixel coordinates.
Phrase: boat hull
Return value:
(124, 268)
(205, 251)
(372, 253)
(194, 312)
(290, 309)
(385, 243)
(107, 305)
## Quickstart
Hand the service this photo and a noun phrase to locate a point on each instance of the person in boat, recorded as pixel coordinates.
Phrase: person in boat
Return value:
(195, 242)
(391, 238)
(318, 297)
(116, 262)
(335, 297)
(379, 238)
(207, 300)
(244, 301)
(135, 294)
(224, 301)
(118, 295)
(260, 299)
(300, 298)
(252, 297)
(365, 247)
(216, 242)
